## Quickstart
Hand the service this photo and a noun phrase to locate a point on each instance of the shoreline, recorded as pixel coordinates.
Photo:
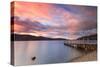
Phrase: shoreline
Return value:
(92, 56)
(83, 47)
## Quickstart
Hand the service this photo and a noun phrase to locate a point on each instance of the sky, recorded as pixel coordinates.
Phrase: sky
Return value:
(53, 20)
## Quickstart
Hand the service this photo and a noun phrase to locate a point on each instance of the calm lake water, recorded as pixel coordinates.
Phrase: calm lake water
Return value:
(51, 51)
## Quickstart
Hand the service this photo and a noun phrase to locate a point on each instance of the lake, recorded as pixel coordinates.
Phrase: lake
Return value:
(45, 52)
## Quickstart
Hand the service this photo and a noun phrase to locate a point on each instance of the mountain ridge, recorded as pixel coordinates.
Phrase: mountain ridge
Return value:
(90, 37)
(18, 37)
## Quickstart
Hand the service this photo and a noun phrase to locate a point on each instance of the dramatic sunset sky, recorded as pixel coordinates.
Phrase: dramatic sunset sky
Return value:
(54, 20)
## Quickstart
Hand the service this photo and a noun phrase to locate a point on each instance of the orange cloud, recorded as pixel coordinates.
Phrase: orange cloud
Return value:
(17, 27)
(30, 10)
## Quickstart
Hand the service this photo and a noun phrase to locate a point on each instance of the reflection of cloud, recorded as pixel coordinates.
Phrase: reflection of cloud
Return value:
(50, 20)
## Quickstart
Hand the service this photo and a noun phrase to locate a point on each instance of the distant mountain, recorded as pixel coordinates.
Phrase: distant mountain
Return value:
(90, 37)
(18, 37)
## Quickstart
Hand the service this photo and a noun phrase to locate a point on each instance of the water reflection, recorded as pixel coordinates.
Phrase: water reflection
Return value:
(44, 51)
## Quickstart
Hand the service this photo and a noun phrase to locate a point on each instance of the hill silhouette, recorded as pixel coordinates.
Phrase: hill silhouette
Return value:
(90, 37)
(18, 37)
